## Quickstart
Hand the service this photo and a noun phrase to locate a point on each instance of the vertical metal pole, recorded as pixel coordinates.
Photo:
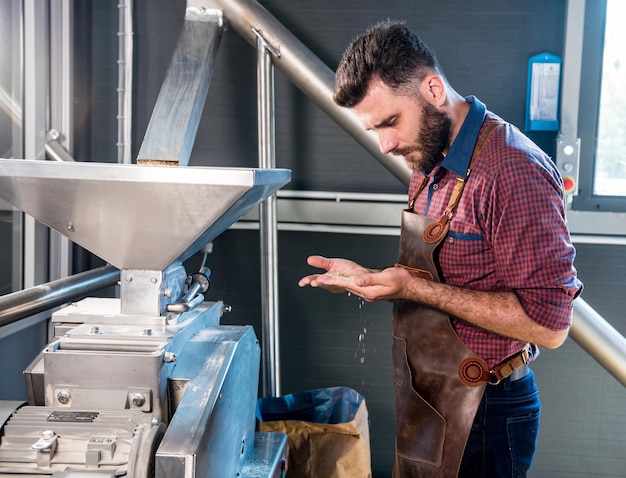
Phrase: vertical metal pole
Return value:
(267, 224)
(17, 143)
(36, 72)
(61, 101)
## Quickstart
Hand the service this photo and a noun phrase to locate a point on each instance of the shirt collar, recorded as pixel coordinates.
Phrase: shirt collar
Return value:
(460, 153)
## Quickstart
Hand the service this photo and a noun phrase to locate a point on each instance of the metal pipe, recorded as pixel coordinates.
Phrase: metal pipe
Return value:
(195, 295)
(599, 339)
(10, 107)
(27, 302)
(267, 222)
(307, 72)
(183, 307)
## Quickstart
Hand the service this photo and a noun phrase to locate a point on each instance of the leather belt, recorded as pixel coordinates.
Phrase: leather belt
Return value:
(519, 373)
(509, 366)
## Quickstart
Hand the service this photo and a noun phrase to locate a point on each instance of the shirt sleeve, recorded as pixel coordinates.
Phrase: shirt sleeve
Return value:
(533, 253)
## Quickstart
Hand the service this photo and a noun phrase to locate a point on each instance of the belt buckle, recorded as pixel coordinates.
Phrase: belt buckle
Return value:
(493, 380)
(525, 354)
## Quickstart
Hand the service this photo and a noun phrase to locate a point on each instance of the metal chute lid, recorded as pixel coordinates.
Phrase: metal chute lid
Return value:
(136, 217)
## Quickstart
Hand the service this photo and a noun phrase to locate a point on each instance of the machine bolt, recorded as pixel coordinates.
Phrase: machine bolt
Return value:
(64, 397)
(169, 357)
(94, 330)
(138, 399)
(129, 279)
(146, 331)
(153, 280)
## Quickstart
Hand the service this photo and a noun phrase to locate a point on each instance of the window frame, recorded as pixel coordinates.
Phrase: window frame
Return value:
(589, 110)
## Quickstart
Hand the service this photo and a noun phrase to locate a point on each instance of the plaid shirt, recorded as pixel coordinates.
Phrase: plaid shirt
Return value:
(508, 232)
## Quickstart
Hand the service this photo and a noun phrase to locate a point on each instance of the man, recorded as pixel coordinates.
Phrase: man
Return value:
(485, 271)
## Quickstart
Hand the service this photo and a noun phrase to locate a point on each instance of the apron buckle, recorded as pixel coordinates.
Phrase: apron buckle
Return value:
(474, 370)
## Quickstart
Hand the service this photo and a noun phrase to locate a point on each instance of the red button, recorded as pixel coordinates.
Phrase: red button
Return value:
(569, 184)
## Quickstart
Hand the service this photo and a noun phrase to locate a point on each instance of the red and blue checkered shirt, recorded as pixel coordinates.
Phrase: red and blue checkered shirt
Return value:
(508, 232)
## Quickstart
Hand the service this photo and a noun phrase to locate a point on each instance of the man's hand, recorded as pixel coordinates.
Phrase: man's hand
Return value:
(343, 275)
(339, 273)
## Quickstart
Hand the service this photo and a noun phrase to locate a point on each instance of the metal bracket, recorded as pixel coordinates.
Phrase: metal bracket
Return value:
(54, 148)
(45, 447)
(273, 49)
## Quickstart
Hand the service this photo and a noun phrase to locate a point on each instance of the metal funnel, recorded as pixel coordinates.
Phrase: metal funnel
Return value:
(136, 217)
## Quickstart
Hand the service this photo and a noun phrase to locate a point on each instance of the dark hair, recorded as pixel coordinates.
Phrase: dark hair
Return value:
(389, 51)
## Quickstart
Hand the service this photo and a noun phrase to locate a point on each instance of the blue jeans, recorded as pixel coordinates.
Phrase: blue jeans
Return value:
(504, 435)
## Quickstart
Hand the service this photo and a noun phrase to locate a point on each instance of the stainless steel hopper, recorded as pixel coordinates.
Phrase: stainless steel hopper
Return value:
(136, 216)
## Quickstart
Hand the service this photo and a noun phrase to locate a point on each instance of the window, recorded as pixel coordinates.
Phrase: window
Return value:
(601, 123)
(610, 164)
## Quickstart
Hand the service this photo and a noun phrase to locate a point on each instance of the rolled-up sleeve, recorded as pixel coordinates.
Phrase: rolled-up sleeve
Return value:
(533, 251)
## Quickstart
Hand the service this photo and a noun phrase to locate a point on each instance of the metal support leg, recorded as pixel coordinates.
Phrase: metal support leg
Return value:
(267, 222)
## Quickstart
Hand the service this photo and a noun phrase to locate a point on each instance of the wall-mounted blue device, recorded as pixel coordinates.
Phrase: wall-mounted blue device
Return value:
(543, 91)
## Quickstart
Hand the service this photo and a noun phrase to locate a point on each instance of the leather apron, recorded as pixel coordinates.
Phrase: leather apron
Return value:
(435, 410)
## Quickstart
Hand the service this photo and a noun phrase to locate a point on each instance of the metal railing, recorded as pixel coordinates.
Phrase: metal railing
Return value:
(24, 303)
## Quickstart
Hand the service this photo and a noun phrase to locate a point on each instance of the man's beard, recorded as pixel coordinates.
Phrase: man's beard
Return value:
(430, 142)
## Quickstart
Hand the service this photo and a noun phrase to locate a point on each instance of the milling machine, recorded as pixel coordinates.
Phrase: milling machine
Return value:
(148, 384)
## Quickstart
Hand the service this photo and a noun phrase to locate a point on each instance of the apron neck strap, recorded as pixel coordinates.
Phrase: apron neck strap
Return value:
(439, 228)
